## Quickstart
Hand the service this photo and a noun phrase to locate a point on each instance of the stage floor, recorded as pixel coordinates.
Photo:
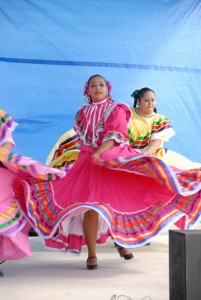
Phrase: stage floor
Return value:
(57, 276)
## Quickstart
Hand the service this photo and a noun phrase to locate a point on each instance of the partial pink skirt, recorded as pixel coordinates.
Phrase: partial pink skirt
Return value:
(14, 242)
(136, 197)
(14, 228)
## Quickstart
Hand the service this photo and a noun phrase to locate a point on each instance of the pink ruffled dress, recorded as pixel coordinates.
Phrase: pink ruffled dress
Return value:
(135, 195)
(14, 228)
(14, 243)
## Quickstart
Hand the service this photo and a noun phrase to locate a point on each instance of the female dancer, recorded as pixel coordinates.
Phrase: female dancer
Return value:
(14, 243)
(111, 190)
(14, 228)
(148, 130)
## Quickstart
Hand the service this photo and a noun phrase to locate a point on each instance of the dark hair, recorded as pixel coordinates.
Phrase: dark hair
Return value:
(96, 75)
(138, 94)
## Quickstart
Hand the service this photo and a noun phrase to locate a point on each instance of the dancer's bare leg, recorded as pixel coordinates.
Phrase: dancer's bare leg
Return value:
(90, 226)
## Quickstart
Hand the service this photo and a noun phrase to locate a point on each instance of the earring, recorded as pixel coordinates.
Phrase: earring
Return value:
(87, 99)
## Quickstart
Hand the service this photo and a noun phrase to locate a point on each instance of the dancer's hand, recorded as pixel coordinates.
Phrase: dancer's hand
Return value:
(95, 158)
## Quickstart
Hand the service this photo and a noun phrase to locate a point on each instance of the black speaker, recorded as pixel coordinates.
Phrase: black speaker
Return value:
(185, 264)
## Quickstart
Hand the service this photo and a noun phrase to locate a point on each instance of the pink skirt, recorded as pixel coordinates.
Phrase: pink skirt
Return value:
(136, 197)
(14, 228)
(14, 242)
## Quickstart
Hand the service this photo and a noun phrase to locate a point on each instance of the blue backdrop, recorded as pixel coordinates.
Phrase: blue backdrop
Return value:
(48, 49)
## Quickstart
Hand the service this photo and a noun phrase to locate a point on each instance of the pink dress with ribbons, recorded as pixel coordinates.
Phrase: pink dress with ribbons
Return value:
(135, 195)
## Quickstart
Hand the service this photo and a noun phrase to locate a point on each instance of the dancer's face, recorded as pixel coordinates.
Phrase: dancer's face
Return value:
(97, 89)
(147, 102)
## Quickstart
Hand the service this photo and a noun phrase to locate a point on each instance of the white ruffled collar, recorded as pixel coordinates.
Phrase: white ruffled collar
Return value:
(100, 102)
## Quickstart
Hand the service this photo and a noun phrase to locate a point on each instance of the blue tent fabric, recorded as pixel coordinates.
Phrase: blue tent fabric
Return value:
(48, 49)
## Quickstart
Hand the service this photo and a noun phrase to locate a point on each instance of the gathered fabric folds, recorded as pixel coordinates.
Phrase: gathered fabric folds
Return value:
(14, 225)
(136, 196)
(149, 196)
